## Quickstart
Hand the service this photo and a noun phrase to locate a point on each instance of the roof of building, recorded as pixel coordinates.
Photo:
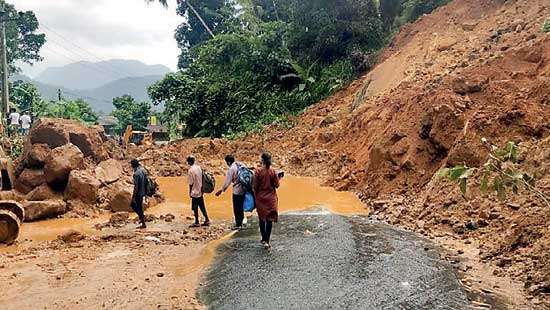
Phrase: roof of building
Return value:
(157, 129)
(107, 120)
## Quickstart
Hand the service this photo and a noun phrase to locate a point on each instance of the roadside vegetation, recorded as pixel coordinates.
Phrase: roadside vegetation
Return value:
(261, 59)
(26, 97)
(502, 173)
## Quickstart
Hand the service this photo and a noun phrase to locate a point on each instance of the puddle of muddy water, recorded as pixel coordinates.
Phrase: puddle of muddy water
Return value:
(295, 194)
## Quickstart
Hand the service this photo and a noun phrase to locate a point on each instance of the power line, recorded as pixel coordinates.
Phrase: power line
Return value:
(113, 68)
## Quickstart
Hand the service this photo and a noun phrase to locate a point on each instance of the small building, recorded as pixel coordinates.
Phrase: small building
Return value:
(158, 133)
(108, 123)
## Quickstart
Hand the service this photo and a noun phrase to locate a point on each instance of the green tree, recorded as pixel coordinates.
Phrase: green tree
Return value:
(389, 10)
(23, 41)
(27, 97)
(77, 109)
(128, 111)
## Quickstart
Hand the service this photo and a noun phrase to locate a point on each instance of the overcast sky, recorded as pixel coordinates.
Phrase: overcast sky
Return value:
(103, 29)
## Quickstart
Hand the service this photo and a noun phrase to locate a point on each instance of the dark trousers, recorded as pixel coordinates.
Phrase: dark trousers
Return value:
(238, 209)
(196, 204)
(265, 230)
(137, 206)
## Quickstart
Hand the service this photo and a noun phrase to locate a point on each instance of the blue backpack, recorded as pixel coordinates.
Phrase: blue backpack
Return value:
(249, 204)
(245, 177)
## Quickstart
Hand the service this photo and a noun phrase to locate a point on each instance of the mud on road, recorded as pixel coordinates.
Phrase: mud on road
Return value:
(326, 261)
(118, 268)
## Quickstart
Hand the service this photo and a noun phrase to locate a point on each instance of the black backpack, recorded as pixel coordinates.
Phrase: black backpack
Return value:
(151, 186)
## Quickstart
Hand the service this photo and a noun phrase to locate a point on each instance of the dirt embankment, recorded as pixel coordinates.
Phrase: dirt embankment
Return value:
(471, 70)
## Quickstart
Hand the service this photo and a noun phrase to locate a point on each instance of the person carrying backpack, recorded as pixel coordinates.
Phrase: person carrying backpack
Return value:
(234, 176)
(140, 191)
(195, 175)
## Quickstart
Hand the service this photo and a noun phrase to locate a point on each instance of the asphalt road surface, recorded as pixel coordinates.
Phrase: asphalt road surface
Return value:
(325, 261)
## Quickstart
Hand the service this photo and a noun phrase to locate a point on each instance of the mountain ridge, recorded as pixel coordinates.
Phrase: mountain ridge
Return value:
(84, 75)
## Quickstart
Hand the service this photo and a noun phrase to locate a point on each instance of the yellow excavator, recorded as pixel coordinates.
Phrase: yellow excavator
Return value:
(136, 137)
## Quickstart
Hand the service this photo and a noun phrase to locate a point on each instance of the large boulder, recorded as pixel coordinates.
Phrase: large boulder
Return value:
(37, 210)
(37, 155)
(49, 131)
(60, 163)
(58, 132)
(29, 179)
(121, 198)
(41, 193)
(108, 171)
(82, 186)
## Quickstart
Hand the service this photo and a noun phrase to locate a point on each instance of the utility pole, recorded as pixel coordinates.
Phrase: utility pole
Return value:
(5, 69)
(4, 61)
(59, 95)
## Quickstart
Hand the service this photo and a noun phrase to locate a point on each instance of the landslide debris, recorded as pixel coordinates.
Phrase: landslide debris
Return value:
(470, 70)
(69, 167)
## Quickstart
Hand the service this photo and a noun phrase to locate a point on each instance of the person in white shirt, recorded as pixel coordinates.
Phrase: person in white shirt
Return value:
(14, 121)
(195, 191)
(26, 122)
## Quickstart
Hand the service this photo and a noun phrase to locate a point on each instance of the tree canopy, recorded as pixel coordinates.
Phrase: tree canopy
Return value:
(26, 97)
(128, 111)
(22, 40)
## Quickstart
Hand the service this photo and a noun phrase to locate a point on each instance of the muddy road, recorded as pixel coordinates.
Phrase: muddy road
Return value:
(326, 261)
(330, 256)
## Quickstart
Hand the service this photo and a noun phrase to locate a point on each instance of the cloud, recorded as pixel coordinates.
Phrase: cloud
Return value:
(130, 29)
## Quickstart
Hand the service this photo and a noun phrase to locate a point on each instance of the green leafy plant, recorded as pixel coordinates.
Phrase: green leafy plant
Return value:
(15, 147)
(501, 173)
(546, 26)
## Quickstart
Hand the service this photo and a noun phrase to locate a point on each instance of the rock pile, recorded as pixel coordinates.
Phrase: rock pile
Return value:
(66, 165)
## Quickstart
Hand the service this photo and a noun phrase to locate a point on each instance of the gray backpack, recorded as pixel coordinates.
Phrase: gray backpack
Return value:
(208, 182)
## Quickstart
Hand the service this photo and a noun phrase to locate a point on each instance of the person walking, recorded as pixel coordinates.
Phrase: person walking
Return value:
(140, 190)
(26, 122)
(195, 192)
(266, 182)
(232, 178)
(13, 119)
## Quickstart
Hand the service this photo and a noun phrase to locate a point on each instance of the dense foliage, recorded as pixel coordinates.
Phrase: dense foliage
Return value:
(128, 111)
(22, 39)
(27, 98)
(269, 58)
(77, 109)
(396, 13)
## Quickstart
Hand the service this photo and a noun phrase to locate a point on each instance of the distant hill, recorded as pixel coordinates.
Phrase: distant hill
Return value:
(100, 98)
(91, 75)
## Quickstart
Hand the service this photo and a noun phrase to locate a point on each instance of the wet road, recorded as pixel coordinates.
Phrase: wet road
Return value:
(325, 261)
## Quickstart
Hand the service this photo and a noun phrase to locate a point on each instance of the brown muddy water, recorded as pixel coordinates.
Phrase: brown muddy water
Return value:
(295, 194)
